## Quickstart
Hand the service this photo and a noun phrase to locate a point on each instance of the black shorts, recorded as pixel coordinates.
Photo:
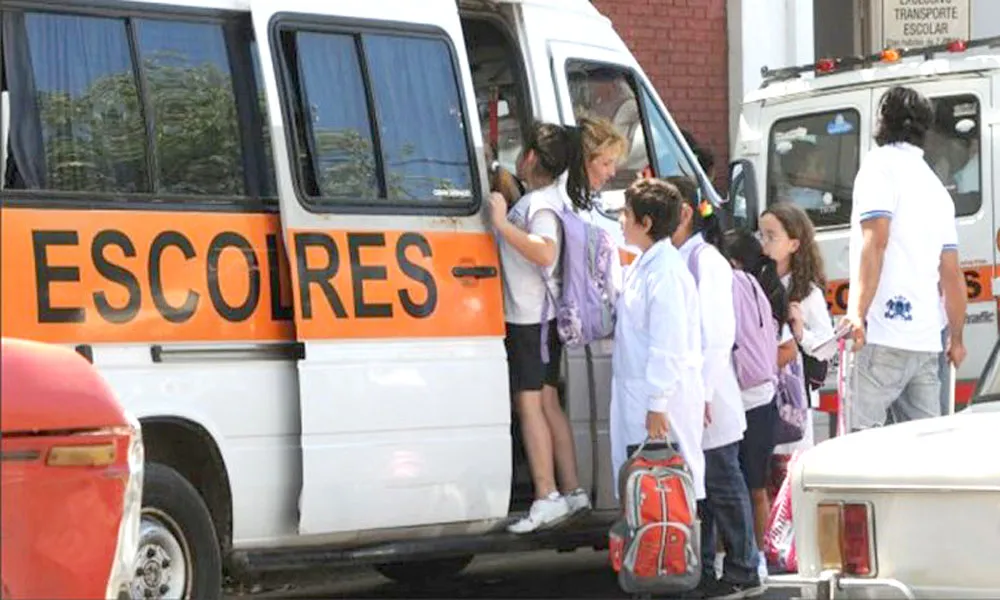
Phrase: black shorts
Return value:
(524, 357)
(758, 444)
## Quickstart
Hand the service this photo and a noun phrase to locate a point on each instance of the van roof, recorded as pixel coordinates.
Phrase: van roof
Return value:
(946, 60)
(578, 6)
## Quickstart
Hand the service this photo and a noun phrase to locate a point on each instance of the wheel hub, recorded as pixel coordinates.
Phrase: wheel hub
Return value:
(162, 563)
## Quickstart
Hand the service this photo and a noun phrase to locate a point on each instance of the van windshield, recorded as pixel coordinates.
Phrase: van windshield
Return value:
(812, 160)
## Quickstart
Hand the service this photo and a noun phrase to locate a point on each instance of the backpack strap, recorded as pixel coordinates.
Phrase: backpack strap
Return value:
(550, 298)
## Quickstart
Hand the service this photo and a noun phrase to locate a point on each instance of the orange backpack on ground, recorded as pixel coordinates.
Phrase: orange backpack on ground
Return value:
(655, 547)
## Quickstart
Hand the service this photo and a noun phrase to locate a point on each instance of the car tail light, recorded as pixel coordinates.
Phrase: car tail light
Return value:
(82, 455)
(856, 540)
(957, 46)
(844, 536)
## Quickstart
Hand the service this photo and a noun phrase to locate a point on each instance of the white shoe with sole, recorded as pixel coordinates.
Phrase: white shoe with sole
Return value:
(578, 501)
(543, 512)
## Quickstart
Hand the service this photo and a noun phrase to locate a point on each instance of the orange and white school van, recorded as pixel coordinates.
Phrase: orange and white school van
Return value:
(72, 471)
(803, 134)
(263, 222)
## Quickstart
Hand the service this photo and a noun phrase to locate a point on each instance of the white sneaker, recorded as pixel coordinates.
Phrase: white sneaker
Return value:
(578, 501)
(546, 511)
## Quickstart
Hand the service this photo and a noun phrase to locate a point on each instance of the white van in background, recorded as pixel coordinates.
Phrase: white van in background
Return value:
(803, 134)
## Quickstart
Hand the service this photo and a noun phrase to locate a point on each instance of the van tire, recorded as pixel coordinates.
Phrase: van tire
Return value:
(424, 572)
(176, 526)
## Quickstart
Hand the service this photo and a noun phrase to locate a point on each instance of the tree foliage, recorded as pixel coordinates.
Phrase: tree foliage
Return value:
(97, 140)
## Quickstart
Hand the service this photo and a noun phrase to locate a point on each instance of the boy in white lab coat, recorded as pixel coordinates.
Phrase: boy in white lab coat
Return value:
(656, 382)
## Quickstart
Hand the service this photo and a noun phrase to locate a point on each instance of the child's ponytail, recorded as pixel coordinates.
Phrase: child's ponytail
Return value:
(706, 218)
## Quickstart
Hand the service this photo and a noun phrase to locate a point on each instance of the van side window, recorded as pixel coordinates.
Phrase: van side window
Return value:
(134, 109)
(378, 121)
(612, 93)
(670, 159)
(197, 142)
(952, 150)
(609, 92)
(85, 123)
(812, 161)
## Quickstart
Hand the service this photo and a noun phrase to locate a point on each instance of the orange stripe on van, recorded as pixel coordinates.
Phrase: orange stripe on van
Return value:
(400, 284)
(142, 276)
(978, 281)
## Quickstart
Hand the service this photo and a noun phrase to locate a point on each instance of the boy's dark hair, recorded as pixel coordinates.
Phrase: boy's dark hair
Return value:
(743, 248)
(658, 200)
(708, 226)
(905, 115)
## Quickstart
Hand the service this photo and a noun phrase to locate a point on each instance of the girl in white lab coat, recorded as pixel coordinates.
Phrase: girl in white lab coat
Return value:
(726, 508)
(656, 383)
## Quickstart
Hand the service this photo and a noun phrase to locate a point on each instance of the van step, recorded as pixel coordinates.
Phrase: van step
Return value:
(587, 531)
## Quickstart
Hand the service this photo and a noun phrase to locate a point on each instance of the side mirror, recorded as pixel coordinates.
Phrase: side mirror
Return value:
(743, 202)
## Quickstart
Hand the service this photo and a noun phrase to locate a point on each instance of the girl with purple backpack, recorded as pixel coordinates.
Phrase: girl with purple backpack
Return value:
(760, 403)
(530, 242)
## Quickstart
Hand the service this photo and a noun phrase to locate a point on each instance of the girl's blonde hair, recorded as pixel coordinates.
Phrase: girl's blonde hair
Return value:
(590, 138)
(806, 263)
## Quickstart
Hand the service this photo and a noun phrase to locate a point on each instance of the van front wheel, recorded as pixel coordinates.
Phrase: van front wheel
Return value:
(178, 553)
(422, 572)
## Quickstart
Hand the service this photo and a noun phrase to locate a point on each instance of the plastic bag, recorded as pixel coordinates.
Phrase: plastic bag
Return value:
(779, 544)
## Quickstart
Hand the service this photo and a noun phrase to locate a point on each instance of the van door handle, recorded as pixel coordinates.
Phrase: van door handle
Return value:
(476, 272)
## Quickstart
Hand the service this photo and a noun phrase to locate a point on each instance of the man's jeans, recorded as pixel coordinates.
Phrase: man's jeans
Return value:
(904, 383)
(727, 508)
(944, 376)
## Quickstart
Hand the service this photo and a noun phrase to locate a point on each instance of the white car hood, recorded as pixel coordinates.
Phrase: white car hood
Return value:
(960, 451)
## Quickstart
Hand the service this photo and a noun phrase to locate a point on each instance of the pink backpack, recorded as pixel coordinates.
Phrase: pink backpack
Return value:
(755, 352)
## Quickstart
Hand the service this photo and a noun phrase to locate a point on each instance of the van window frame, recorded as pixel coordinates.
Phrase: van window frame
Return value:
(953, 96)
(769, 153)
(526, 92)
(704, 186)
(152, 200)
(297, 23)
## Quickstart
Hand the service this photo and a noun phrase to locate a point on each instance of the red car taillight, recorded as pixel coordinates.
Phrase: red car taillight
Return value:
(856, 540)
(845, 538)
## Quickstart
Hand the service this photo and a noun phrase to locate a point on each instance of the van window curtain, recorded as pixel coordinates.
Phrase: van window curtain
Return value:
(27, 149)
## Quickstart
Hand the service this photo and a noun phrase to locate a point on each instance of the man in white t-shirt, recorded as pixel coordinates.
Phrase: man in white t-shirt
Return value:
(903, 245)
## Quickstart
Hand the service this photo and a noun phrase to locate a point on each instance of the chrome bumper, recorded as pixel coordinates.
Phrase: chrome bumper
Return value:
(829, 583)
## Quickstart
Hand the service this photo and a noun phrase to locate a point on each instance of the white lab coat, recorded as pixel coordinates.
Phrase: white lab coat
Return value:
(657, 358)
(718, 335)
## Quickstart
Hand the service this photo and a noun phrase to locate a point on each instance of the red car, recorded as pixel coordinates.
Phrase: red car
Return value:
(72, 478)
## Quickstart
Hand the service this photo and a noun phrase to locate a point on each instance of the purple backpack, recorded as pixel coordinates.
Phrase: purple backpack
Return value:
(792, 411)
(585, 310)
(755, 352)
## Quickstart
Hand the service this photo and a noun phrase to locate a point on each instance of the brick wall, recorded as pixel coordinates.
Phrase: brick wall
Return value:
(681, 45)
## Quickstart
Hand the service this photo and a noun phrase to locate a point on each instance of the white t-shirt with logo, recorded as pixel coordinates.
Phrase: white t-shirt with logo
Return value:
(895, 182)
(523, 285)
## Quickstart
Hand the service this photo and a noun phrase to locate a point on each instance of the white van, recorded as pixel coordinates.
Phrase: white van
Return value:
(263, 221)
(803, 134)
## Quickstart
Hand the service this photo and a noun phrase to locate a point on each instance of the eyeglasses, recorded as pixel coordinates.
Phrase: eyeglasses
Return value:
(766, 238)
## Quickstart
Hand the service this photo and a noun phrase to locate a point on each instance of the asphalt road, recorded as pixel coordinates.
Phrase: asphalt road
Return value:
(580, 574)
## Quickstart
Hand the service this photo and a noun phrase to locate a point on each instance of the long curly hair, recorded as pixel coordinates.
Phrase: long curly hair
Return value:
(806, 263)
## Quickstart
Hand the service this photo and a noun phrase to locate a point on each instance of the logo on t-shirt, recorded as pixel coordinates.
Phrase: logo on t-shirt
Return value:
(899, 308)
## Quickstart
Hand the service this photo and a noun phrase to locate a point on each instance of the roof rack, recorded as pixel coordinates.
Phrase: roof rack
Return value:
(825, 66)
